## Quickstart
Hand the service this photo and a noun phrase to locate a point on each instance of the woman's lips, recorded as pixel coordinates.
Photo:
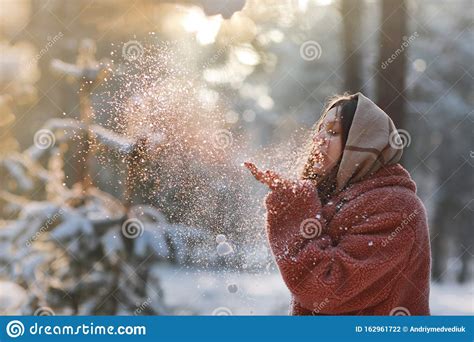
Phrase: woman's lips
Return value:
(319, 153)
(319, 159)
(317, 165)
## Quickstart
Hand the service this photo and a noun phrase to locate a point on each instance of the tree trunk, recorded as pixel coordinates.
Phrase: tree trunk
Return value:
(392, 60)
(351, 16)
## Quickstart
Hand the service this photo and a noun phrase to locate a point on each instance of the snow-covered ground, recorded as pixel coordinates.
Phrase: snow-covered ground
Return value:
(197, 292)
(190, 291)
(452, 299)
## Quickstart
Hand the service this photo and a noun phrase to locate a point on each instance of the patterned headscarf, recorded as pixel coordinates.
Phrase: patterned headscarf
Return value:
(373, 142)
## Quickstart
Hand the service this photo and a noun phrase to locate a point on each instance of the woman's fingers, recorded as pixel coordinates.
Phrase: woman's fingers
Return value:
(259, 175)
(274, 180)
(251, 167)
(254, 170)
(270, 178)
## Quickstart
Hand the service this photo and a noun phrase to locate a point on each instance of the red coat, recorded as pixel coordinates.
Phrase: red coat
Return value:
(366, 252)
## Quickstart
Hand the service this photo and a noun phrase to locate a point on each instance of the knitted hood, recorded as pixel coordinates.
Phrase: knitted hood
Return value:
(373, 142)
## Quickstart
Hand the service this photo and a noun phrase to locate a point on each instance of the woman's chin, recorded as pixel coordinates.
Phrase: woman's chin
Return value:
(319, 172)
(322, 170)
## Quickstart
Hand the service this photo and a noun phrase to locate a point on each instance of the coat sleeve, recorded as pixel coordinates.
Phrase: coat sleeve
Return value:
(334, 276)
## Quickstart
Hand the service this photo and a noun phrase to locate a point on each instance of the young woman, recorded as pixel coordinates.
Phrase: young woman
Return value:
(350, 237)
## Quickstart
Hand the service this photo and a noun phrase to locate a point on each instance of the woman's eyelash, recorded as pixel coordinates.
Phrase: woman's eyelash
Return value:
(328, 128)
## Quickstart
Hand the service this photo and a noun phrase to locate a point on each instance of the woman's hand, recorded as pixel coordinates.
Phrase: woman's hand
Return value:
(269, 178)
(291, 190)
(290, 204)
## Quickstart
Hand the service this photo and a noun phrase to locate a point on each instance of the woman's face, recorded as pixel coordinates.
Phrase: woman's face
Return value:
(327, 147)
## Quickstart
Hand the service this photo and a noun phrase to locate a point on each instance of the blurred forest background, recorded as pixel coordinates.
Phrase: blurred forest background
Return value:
(124, 125)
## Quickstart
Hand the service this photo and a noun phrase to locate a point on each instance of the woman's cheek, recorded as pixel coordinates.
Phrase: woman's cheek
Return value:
(334, 149)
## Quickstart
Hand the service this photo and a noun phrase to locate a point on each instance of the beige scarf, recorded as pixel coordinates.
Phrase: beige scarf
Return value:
(373, 142)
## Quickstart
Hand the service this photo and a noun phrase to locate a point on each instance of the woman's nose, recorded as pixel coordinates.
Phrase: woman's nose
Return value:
(320, 139)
